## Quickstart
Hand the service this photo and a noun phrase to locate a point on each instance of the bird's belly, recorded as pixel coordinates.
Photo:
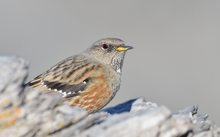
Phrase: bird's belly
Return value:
(95, 96)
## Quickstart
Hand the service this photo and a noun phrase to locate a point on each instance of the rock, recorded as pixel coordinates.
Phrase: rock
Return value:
(25, 112)
(140, 124)
(13, 72)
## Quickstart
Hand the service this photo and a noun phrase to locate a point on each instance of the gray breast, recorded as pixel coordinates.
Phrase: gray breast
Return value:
(114, 79)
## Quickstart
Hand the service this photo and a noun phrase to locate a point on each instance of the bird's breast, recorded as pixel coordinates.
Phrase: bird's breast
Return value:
(100, 90)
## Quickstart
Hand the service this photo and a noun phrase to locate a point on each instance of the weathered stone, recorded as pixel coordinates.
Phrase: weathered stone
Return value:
(130, 124)
(13, 72)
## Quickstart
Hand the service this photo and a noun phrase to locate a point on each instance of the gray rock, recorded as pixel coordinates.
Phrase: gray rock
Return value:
(13, 72)
(130, 124)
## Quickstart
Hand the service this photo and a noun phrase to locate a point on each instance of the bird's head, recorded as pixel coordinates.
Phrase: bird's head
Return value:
(109, 51)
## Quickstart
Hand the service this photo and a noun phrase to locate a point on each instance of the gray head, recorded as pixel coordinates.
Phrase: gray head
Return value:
(109, 51)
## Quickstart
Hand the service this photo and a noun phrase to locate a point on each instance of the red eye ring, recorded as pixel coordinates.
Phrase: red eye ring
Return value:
(104, 46)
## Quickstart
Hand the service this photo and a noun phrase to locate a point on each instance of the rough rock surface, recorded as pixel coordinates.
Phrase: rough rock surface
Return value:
(25, 112)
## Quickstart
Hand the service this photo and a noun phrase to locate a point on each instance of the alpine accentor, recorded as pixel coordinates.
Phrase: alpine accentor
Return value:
(89, 80)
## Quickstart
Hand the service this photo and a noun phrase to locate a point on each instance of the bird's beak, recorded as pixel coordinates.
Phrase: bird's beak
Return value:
(124, 48)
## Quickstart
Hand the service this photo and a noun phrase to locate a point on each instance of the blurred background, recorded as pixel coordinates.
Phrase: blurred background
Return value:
(177, 43)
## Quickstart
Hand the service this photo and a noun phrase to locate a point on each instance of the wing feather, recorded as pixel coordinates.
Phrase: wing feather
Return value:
(67, 90)
(68, 77)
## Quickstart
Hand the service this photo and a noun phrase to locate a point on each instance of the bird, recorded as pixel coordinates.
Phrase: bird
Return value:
(89, 79)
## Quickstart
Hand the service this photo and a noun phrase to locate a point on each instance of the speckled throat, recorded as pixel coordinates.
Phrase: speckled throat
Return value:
(117, 62)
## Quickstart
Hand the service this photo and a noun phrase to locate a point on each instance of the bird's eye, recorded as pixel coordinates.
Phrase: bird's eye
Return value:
(105, 46)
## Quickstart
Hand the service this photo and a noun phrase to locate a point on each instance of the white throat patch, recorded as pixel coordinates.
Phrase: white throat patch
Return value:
(119, 70)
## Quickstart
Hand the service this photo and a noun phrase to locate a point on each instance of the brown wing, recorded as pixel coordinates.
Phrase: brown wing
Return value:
(68, 77)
